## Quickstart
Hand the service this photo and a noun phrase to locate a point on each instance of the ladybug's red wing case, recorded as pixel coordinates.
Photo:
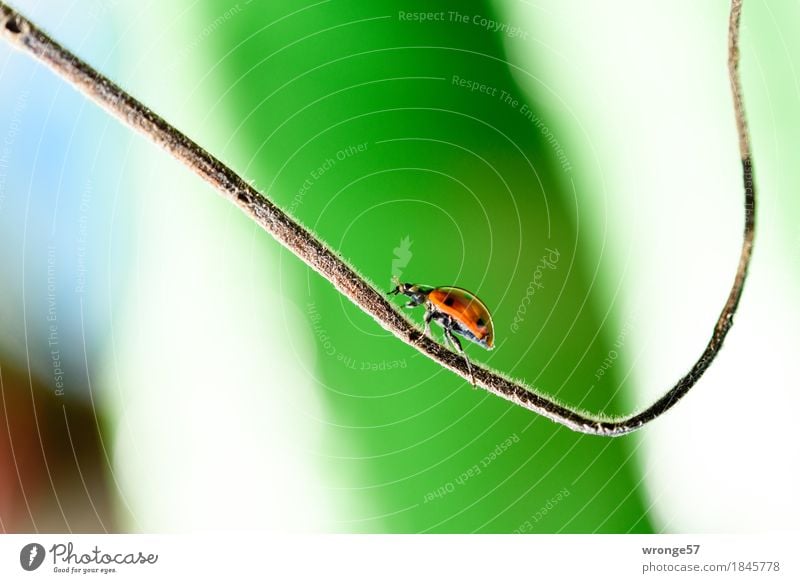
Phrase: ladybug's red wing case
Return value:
(467, 309)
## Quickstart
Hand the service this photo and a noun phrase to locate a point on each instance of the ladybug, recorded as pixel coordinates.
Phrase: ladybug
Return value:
(456, 310)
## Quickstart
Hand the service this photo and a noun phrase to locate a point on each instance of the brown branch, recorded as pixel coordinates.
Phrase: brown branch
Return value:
(22, 34)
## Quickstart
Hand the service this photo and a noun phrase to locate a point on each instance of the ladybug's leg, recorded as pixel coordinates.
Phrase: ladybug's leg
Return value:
(427, 320)
(448, 334)
(412, 303)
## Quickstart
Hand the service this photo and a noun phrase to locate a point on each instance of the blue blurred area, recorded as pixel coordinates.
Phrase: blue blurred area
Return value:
(63, 230)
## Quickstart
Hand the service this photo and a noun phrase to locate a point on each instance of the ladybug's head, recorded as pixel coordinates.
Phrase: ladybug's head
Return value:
(416, 292)
(402, 288)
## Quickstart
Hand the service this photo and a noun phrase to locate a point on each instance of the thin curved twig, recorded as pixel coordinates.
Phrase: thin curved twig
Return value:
(24, 35)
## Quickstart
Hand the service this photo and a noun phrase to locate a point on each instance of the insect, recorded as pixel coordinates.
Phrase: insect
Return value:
(456, 310)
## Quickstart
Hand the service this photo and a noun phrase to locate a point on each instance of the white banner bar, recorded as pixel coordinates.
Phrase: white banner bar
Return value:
(245, 556)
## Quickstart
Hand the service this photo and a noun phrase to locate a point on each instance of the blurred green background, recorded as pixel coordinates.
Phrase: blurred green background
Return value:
(575, 167)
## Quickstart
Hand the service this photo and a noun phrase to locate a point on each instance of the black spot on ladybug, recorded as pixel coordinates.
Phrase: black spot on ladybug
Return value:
(448, 301)
(480, 322)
